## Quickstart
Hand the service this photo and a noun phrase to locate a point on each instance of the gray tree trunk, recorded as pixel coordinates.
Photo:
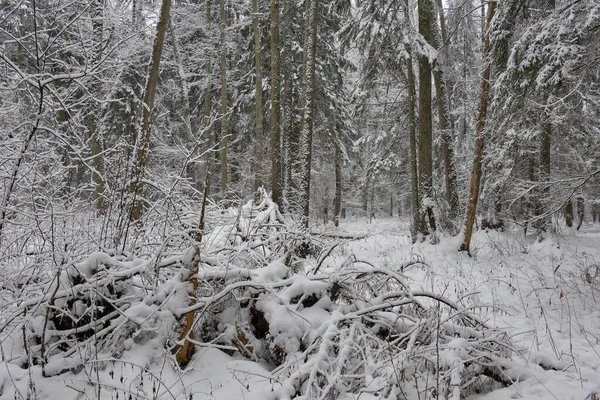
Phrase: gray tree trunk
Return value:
(97, 12)
(427, 219)
(275, 105)
(412, 142)
(337, 202)
(258, 109)
(223, 143)
(308, 97)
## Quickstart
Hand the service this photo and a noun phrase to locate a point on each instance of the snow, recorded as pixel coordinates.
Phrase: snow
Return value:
(544, 294)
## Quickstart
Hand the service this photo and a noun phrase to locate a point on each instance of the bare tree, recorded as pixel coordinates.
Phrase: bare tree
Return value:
(479, 138)
(143, 140)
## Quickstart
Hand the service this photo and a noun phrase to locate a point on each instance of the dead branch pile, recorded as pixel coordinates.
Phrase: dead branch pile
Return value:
(352, 327)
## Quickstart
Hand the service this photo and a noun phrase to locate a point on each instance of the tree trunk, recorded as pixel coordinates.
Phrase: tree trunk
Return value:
(425, 125)
(545, 224)
(184, 350)
(337, 202)
(308, 97)
(580, 211)
(224, 117)
(149, 95)
(275, 105)
(208, 96)
(569, 213)
(445, 122)
(479, 143)
(258, 109)
(414, 177)
(289, 131)
(97, 12)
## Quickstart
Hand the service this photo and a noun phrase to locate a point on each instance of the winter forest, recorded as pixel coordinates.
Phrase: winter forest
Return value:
(300, 199)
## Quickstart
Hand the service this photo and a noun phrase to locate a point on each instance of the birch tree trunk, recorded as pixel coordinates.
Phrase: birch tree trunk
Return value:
(149, 94)
(479, 139)
(308, 97)
(258, 109)
(275, 105)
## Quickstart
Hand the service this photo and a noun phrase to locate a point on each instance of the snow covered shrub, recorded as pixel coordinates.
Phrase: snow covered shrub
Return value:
(356, 328)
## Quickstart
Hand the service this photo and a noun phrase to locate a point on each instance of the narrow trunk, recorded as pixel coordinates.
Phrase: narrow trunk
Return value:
(569, 213)
(184, 350)
(275, 105)
(337, 202)
(444, 118)
(479, 143)
(412, 142)
(425, 124)
(308, 96)
(224, 117)
(580, 211)
(149, 94)
(136, 13)
(545, 216)
(545, 224)
(97, 12)
(258, 109)
(289, 133)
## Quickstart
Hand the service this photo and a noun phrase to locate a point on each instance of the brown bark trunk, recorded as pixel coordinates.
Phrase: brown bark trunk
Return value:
(183, 351)
(479, 139)
(148, 105)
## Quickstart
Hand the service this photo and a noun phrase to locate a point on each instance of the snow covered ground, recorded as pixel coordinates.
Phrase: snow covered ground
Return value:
(546, 295)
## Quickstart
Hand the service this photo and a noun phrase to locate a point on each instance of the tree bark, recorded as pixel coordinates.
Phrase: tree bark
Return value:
(184, 350)
(290, 139)
(97, 12)
(445, 123)
(412, 141)
(224, 117)
(569, 213)
(337, 202)
(149, 95)
(308, 96)
(208, 97)
(479, 138)
(545, 224)
(425, 123)
(275, 105)
(258, 109)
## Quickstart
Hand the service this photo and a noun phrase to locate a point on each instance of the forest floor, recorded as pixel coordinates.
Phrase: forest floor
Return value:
(546, 295)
